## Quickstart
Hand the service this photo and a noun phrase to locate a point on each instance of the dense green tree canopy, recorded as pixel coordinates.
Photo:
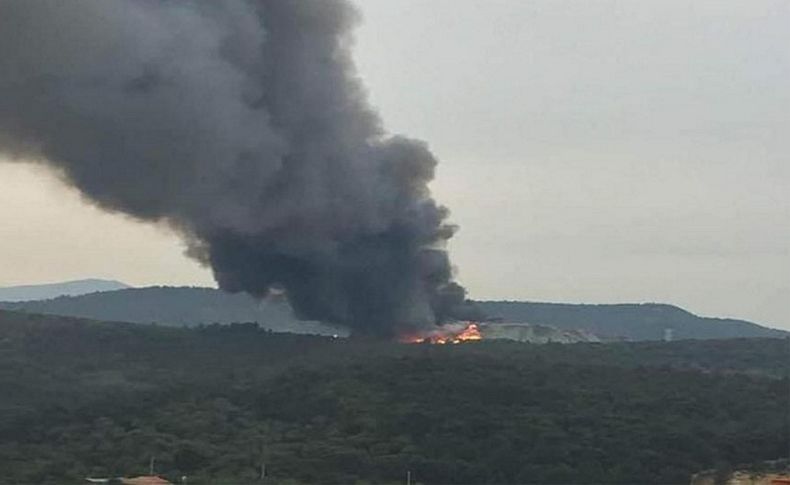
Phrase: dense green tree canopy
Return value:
(214, 403)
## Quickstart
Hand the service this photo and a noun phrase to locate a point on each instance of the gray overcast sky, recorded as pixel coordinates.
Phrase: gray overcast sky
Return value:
(591, 151)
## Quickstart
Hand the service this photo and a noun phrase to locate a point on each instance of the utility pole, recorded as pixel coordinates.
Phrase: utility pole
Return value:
(408, 477)
(151, 465)
(263, 452)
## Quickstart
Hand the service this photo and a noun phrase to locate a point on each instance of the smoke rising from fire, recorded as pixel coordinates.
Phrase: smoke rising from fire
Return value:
(243, 125)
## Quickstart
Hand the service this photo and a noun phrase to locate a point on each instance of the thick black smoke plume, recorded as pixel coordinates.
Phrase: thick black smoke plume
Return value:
(243, 125)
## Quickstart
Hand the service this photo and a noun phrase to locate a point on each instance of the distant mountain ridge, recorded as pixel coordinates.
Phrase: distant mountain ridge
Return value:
(54, 290)
(190, 306)
(630, 321)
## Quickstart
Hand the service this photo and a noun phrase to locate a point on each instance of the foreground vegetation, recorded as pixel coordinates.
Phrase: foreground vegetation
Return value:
(214, 403)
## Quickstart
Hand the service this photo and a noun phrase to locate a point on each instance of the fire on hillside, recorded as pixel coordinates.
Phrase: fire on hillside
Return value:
(453, 333)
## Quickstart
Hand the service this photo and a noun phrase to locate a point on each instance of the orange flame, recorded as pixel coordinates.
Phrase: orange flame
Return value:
(449, 334)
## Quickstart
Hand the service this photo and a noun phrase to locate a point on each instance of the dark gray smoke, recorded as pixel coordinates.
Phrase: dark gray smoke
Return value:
(243, 125)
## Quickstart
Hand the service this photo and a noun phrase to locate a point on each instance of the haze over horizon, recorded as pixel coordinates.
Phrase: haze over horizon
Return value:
(590, 152)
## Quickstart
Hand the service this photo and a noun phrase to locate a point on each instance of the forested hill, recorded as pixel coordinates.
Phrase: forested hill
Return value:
(194, 306)
(176, 306)
(646, 321)
(92, 399)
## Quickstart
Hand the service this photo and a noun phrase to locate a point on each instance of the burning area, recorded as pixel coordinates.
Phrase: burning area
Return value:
(451, 333)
